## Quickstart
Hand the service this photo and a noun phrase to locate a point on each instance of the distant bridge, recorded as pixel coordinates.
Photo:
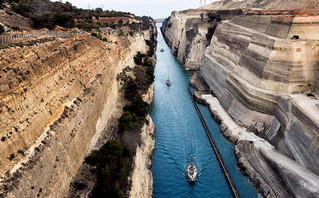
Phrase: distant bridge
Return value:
(159, 20)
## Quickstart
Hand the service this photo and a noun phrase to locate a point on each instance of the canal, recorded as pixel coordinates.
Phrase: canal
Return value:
(175, 117)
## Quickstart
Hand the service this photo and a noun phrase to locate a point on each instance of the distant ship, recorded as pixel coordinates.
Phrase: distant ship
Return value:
(191, 170)
(162, 50)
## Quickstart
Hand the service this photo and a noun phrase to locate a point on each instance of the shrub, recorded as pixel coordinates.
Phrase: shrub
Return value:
(66, 19)
(210, 33)
(138, 107)
(1, 29)
(130, 89)
(113, 167)
(85, 25)
(214, 17)
(138, 58)
(120, 33)
(11, 157)
(99, 36)
(201, 16)
(190, 34)
(39, 10)
(129, 121)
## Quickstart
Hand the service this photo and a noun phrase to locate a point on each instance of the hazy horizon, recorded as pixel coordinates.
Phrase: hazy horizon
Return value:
(155, 9)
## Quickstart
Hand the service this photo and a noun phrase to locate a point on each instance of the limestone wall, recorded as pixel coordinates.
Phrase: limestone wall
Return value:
(55, 101)
(263, 76)
(142, 178)
(265, 4)
(186, 36)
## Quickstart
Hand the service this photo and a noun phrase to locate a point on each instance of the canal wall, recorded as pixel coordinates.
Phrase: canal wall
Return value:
(57, 103)
(142, 178)
(255, 154)
(264, 79)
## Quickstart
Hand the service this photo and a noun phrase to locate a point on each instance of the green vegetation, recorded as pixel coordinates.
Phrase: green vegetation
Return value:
(138, 107)
(214, 17)
(190, 34)
(210, 33)
(47, 14)
(113, 165)
(143, 73)
(129, 121)
(1, 29)
(99, 36)
(140, 58)
(11, 157)
(114, 158)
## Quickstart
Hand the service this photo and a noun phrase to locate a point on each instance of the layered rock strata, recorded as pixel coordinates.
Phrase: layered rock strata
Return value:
(262, 66)
(275, 174)
(142, 178)
(56, 100)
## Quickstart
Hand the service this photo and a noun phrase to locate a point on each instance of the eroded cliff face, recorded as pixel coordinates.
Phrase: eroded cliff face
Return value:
(262, 66)
(142, 178)
(56, 99)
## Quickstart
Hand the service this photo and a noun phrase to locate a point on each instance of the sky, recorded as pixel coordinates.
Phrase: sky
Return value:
(154, 8)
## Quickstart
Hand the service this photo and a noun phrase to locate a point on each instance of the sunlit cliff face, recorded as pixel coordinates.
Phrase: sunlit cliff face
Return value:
(55, 97)
(260, 65)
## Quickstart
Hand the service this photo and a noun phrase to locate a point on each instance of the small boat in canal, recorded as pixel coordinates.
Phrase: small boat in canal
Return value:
(191, 170)
(168, 82)
(162, 50)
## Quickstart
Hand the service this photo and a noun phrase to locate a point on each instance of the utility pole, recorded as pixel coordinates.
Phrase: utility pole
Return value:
(200, 3)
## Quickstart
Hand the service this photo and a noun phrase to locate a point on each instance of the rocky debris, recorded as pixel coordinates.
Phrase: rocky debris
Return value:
(253, 164)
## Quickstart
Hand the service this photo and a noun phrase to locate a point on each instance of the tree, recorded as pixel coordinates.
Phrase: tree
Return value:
(66, 20)
(214, 17)
(128, 121)
(98, 10)
(138, 107)
(112, 167)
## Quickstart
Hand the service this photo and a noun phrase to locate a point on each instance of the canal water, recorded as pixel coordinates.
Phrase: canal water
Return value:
(175, 117)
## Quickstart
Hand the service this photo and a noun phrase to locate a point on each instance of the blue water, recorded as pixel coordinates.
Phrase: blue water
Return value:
(174, 116)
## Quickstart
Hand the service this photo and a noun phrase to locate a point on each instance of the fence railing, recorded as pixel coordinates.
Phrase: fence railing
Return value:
(15, 37)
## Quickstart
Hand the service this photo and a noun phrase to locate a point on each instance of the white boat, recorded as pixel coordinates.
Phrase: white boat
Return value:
(168, 82)
(162, 50)
(191, 170)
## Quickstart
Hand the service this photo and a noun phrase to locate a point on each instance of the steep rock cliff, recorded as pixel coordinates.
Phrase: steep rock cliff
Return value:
(56, 99)
(262, 65)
